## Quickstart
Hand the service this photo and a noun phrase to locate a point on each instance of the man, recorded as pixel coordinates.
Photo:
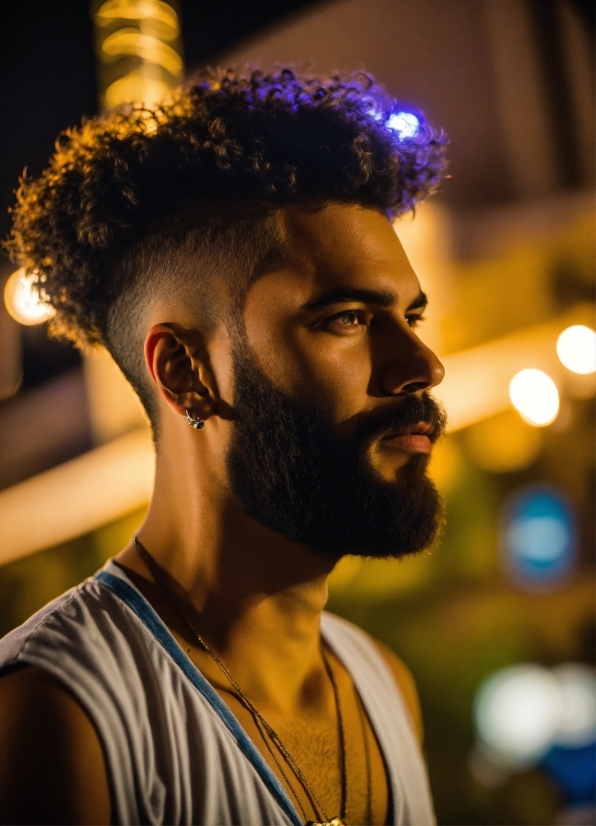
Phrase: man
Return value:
(234, 251)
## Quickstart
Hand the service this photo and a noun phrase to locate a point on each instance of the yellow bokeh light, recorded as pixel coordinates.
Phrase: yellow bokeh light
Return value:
(136, 87)
(22, 300)
(142, 10)
(139, 51)
(145, 46)
(503, 443)
(576, 348)
(446, 465)
(535, 396)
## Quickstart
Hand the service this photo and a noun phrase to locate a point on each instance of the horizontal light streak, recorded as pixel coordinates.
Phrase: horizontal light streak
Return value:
(77, 496)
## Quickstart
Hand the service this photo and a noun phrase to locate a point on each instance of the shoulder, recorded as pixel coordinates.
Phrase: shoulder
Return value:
(51, 762)
(88, 625)
(405, 681)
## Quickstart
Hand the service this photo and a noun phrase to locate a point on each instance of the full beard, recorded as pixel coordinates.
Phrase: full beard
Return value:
(290, 471)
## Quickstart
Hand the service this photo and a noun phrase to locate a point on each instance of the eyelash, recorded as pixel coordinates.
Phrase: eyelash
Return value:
(413, 321)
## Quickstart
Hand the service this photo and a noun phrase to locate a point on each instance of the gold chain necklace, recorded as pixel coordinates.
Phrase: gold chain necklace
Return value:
(262, 725)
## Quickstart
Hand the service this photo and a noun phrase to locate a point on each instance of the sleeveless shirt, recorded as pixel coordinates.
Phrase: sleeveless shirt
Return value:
(174, 752)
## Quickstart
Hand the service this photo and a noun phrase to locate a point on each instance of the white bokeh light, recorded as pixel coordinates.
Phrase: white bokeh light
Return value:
(577, 685)
(576, 348)
(22, 301)
(406, 124)
(535, 396)
(517, 712)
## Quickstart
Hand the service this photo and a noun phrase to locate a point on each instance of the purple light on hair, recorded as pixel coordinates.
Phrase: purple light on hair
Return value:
(406, 124)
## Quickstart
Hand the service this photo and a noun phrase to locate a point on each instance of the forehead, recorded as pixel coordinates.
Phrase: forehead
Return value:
(337, 245)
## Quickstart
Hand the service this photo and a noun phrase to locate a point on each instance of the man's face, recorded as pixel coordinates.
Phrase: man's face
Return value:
(333, 424)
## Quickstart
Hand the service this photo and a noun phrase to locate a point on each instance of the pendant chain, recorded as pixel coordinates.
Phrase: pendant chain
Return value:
(260, 722)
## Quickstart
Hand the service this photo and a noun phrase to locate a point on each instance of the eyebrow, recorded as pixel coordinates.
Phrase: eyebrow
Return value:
(419, 303)
(380, 298)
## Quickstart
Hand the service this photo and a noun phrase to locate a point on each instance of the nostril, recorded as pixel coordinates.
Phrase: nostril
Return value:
(415, 387)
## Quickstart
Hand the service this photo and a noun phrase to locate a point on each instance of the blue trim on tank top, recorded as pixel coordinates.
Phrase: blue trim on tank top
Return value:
(142, 608)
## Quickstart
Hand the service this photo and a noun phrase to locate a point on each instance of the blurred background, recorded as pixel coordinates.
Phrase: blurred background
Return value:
(497, 621)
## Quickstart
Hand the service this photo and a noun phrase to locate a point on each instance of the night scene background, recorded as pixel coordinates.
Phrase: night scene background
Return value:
(496, 621)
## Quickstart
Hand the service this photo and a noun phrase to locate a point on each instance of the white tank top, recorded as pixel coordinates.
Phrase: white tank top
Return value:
(174, 752)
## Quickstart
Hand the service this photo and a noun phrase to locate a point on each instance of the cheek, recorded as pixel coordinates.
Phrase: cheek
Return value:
(332, 371)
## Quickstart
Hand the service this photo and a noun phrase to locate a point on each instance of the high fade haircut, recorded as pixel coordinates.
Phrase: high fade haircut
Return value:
(136, 203)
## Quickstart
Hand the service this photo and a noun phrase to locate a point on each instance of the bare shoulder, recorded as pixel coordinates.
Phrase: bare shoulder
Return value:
(52, 768)
(406, 683)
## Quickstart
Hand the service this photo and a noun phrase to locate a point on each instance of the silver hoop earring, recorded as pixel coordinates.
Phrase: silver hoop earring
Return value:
(196, 423)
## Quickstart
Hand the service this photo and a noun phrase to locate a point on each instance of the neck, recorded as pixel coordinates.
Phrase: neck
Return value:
(252, 590)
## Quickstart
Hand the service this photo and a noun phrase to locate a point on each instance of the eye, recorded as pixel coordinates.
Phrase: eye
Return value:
(349, 319)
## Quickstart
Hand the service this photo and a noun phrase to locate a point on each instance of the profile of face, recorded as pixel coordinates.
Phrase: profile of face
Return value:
(333, 422)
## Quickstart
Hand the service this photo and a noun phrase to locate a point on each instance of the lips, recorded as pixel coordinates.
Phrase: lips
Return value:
(414, 439)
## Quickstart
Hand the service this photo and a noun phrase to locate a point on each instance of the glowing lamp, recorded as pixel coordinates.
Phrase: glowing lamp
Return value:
(538, 538)
(576, 348)
(535, 396)
(406, 124)
(517, 712)
(22, 300)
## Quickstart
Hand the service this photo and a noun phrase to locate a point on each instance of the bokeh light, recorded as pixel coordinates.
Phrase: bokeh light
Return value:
(22, 300)
(574, 770)
(139, 50)
(535, 396)
(517, 712)
(503, 443)
(527, 715)
(577, 684)
(538, 538)
(406, 124)
(576, 348)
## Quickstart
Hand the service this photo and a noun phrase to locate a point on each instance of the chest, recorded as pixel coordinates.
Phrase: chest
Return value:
(323, 776)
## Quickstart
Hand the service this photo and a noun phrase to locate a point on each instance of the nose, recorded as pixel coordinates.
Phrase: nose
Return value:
(413, 367)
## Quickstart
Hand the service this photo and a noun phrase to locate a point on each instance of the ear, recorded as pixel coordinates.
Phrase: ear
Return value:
(179, 366)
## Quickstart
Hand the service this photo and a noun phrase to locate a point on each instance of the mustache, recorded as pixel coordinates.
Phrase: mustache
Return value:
(406, 414)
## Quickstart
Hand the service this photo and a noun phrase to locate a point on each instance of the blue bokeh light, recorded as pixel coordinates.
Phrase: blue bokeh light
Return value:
(574, 770)
(538, 537)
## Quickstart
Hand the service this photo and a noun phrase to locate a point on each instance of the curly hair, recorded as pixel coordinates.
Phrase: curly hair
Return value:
(137, 201)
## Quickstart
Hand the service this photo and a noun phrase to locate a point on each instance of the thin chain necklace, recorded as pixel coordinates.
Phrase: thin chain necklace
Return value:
(262, 725)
